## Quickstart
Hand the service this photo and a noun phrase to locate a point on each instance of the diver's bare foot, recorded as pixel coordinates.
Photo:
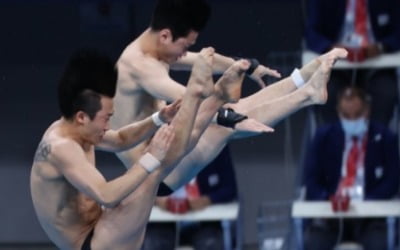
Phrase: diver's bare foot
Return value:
(308, 70)
(252, 126)
(316, 86)
(201, 82)
(333, 54)
(229, 86)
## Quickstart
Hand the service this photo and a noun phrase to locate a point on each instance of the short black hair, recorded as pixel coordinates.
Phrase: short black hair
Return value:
(180, 16)
(88, 75)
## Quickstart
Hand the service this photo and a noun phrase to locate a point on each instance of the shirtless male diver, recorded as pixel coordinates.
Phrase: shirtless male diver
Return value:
(144, 85)
(75, 205)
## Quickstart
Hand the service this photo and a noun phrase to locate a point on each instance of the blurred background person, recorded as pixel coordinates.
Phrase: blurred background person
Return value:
(359, 157)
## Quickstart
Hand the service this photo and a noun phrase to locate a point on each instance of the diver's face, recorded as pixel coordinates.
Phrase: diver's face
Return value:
(96, 128)
(174, 49)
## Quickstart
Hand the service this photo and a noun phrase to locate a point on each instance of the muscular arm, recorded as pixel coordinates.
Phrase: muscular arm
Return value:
(153, 77)
(127, 136)
(70, 160)
(133, 134)
(220, 63)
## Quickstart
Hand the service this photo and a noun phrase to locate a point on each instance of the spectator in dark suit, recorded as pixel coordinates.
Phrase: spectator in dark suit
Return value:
(367, 28)
(215, 184)
(359, 157)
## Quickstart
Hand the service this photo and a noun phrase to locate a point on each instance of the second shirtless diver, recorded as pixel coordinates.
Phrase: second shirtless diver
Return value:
(144, 85)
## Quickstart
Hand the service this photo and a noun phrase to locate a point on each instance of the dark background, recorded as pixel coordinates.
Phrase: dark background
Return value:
(36, 39)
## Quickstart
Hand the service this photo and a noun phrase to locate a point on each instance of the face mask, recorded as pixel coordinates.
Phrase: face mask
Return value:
(354, 127)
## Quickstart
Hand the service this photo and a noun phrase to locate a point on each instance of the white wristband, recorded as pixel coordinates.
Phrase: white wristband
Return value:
(156, 119)
(297, 78)
(149, 162)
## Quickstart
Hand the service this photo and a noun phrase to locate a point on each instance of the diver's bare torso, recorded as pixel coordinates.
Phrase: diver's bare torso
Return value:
(130, 92)
(66, 215)
(132, 102)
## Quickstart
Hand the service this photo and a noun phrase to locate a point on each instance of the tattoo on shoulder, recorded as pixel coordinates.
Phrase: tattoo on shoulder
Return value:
(42, 151)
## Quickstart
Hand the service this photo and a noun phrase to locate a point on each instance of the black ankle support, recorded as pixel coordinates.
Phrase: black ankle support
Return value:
(254, 63)
(228, 117)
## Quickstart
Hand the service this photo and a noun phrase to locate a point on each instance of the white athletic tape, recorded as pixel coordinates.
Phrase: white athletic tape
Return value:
(156, 119)
(297, 78)
(149, 162)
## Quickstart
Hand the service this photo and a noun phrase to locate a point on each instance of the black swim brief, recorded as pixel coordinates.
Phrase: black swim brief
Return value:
(86, 243)
(164, 190)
